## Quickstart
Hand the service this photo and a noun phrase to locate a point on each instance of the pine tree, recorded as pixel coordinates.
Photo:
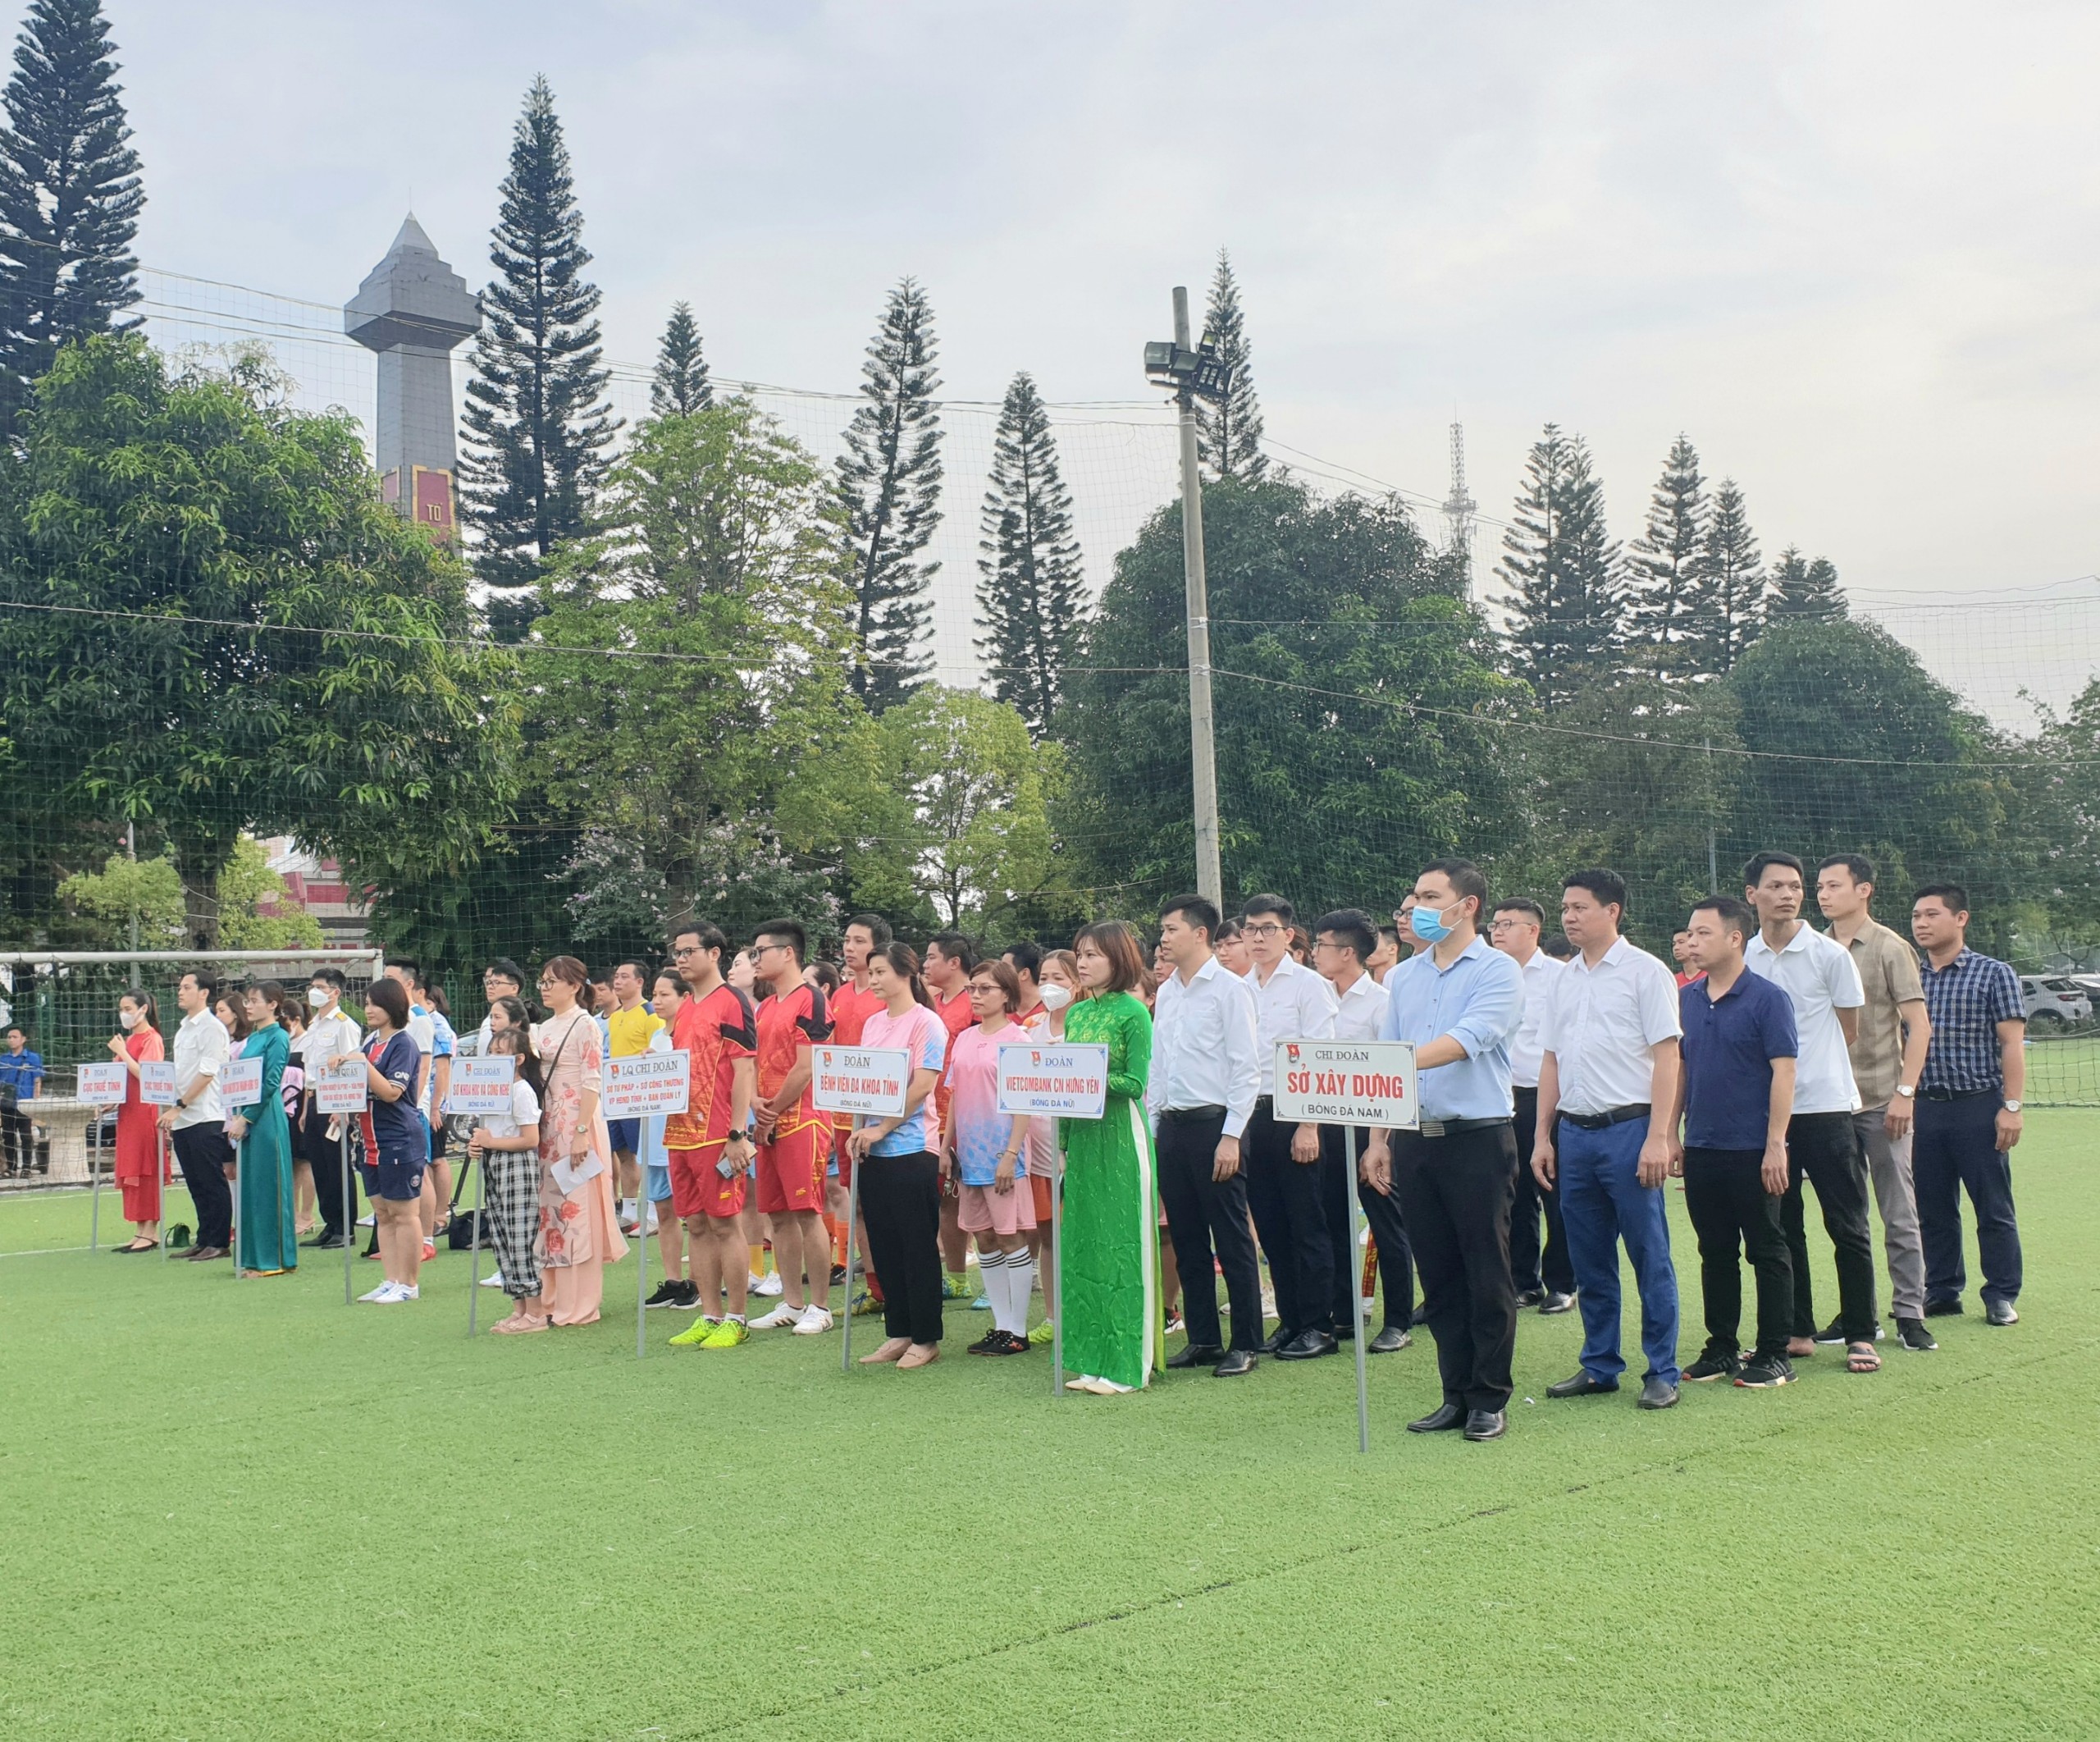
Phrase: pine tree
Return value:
(70, 193)
(680, 386)
(1567, 617)
(1229, 431)
(1728, 602)
(889, 483)
(1663, 567)
(537, 424)
(1031, 592)
(1800, 588)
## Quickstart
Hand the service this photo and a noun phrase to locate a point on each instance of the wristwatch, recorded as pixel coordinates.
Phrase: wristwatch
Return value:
(2012, 1106)
(1905, 1091)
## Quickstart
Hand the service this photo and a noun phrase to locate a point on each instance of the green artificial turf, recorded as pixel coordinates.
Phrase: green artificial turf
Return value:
(243, 1509)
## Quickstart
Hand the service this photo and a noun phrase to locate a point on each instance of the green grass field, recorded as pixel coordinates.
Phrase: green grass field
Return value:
(242, 1510)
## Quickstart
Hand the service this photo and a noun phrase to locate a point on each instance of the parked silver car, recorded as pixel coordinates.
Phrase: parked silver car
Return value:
(2054, 1001)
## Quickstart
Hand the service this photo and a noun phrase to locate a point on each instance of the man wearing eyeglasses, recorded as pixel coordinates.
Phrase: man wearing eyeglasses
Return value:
(1291, 1003)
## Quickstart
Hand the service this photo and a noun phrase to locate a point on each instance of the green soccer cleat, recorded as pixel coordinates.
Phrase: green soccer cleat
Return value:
(1046, 1332)
(695, 1334)
(727, 1334)
(954, 1287)
(865, 1306)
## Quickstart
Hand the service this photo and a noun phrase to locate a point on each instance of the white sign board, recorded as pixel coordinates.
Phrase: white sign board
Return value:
(482, 1084)
(1346, 1082)
(104, 1084)
(241, 1083)
(340, 1091)
(870, 1080)
(1069, 1079)
(156, 1084)
(648, 1083)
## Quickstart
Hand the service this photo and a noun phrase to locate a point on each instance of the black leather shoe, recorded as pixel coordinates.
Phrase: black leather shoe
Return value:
(1276, 1340)
(2000, 1312)
(1195, 1355)
(1583, 1384)
(1420, 1315)
(1557, 1302)
(1486, 1424)
(1943, 1308)
(1236, 1362)
(1658, 1394)
(324, 1242)
(1530, 1296)
(1442, 1419)
(1308, 1346)
(1390, 1341)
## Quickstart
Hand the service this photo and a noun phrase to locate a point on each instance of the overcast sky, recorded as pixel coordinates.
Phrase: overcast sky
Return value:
(1851, 250)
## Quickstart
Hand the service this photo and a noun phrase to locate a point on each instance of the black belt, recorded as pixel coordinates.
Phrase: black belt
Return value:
(1958, 1094)
(1609, 1116)
(1453, 1127)
(1192, 1114)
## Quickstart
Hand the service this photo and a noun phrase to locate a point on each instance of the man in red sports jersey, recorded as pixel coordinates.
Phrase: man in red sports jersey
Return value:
(951, 959)
(794, 1139)
(707, 1147)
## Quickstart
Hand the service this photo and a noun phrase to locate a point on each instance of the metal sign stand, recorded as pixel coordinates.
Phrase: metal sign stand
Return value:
(345, 1205)
(474, 1246)
(238, 1144)
(642, 1264)
(1356, 1295)
(94, 1212)
(852, 1226)
(1058, 1270)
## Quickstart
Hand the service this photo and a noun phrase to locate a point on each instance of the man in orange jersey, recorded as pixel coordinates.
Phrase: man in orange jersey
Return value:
(709, 1144)
(794, 1139)
(949, 962)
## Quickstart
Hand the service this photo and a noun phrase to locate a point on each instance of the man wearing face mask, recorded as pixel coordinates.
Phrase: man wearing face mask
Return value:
(329, 1035)
(1460, 1003)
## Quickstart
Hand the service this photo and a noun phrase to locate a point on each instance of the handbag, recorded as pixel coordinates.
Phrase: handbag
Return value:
(460, 1235)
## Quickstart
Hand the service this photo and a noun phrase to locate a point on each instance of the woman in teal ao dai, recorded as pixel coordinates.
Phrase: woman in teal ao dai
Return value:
(1109, 1306)
(267, 1239)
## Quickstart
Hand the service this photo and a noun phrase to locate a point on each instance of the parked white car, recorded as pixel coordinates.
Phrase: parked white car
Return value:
(2054, 1001)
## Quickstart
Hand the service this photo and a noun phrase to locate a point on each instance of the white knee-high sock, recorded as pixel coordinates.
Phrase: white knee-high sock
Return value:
(992, 1271)
(1020, 1283)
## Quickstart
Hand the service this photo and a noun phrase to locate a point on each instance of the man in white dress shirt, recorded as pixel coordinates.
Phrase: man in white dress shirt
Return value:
(196, 1124)
(1818, 975)
(1291, 1003)
(1200, 1095)
(1344, 944)
(329, 1033)
(1543, 1275)
(1607, 1082)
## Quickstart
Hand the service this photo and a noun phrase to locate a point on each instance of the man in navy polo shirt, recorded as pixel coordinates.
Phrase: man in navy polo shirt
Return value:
(20, 1070)
(1735, 1099)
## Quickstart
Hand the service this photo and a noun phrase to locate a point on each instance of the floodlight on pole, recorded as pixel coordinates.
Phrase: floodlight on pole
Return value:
(1191, 371)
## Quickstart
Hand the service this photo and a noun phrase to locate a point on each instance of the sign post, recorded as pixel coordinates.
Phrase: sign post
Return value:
(1068, 1079)
(1349, 1083)
(240, 1084)
(637, 1087)
(340, 1094)
(156, 1088)
(479, 1086)
(103, 1085)
(869, 1082)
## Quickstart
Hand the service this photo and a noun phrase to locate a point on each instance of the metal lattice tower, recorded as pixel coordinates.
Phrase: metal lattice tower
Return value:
(1458, 507)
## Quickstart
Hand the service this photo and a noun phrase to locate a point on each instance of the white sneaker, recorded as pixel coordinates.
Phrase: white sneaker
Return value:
(769, 1285)
(493, 1281)
(814, 1322)
(410, 1291)
(394, 1295)
(381, 1292)
(779, 1318)
(368, 1221)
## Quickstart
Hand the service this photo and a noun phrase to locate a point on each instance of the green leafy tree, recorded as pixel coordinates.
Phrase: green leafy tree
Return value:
(1031, 591)
(70, 194)
(680, 386)
(225, 631)
(1662, 567)
(148, 892)
(714, 579)
(889, 485)
(1802, 588)
(1568, 617)
(1229, 431)
(538, 427)
(1355, 704)
(1728, 601)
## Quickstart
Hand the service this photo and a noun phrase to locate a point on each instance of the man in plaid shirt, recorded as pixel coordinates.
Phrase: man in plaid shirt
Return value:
(1968, 1107)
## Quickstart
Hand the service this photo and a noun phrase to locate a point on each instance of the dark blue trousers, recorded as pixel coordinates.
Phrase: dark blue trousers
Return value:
(1956, 1147)
(1602, 1203)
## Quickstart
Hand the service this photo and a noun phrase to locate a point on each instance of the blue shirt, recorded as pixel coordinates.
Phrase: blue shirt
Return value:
(21, 1072)
(396, 1123)
(1479, 1002)
(1729, 1043)
(1966, 1000)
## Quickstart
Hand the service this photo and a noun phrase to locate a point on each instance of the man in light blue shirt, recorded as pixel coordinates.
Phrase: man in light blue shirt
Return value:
(1460, 1003)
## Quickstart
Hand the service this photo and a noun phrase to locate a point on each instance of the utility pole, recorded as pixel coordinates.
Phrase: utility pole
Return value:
(131, 852)
(1202, 742)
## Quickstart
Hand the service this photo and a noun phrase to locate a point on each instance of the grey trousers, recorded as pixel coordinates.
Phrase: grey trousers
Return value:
(1888, 1165)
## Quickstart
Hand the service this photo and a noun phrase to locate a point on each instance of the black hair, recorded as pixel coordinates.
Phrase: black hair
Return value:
(1353, 926)
(1117, 941)
(1608, 887)
(330, 976)
(1558, 947)
(513, 1010)
(709, 935)
(434, 996)
(206, 982)
(786, 931)
(509, 969)
(529, 1059)
(1194, 911)
(1227, 929)
(145, 1001)
(1523, 904)
(1735, 914)
(271, 992)
(826, 976)
(904, 961)
(414, 973)
(1858, 864)
(1465, 879)
(1275, 904)
(1025, 957)
(392, 997)
(956, 947)
(875, 926)
(641, 969)
(1753, 873)
(1956, 898)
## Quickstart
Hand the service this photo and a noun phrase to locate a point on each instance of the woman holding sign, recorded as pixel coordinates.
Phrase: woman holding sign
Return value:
(579, 1228)
(1110, 1309)
(265, 1231)
(507, 1145)
(137, 1138)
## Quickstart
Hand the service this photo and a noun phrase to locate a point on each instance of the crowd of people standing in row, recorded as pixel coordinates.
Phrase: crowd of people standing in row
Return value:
(1564, 1083)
